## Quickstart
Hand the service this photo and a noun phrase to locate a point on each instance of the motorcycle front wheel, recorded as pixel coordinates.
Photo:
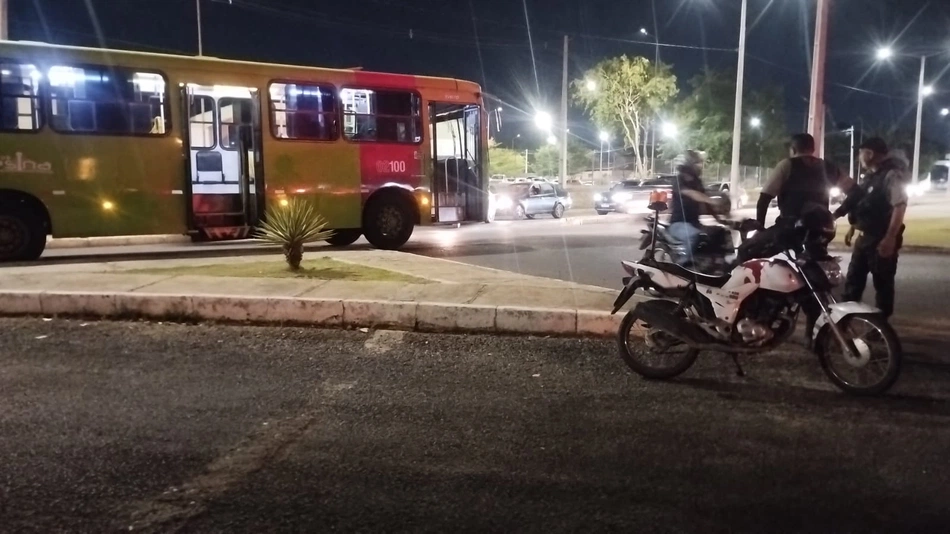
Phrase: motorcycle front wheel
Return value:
(874, 364)
(652, 353)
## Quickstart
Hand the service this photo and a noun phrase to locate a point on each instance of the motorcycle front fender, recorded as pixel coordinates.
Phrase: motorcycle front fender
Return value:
(840, 311)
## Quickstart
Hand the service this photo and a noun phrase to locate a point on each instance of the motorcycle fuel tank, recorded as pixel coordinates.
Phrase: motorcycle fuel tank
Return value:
(769, 274)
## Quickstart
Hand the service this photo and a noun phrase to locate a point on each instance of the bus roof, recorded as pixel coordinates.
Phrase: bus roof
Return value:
(423, 81)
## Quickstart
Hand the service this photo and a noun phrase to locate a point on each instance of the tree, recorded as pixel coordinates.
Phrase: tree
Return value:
(628, 91)
(705, 121)
(503, 160)
(547, 159)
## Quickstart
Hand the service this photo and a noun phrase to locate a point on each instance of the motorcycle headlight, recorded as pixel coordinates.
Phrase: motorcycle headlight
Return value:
(504, 203)
(832, 270)
(598, 197)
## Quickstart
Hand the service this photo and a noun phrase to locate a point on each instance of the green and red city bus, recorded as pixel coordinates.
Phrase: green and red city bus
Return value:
(97, 142)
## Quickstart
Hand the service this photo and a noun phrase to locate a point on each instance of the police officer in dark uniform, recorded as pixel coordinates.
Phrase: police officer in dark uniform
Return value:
(876, 207)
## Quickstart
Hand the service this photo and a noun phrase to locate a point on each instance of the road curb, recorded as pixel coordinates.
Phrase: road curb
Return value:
(117, 241)
(330, 313)
(599, 219)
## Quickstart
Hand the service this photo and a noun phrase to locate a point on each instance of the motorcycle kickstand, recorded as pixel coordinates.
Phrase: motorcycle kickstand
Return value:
(735, 359)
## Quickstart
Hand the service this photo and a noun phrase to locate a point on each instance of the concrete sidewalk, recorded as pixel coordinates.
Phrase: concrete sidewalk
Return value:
(451, 296)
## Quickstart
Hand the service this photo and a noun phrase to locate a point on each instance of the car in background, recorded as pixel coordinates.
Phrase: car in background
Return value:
(716, 189)
(528, 200)
(631, 196)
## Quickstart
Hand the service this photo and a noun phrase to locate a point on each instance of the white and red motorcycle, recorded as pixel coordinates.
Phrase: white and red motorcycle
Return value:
(754, 308)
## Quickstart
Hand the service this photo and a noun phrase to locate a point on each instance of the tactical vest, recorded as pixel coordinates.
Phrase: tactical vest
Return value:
(806, 184)
(872, 214)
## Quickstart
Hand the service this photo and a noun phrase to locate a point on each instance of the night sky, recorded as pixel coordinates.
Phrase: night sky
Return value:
(487, 41)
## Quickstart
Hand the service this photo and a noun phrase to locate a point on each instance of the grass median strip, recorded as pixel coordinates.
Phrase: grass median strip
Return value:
(315, 269)
(923, 232)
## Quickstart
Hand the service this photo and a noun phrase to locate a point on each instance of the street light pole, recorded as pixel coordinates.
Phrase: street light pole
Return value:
(198, 11)
(4, 23)
(816, 107)
(563, 132)
(921, 89)
(737, 123)
(601, 156)
(851, 162)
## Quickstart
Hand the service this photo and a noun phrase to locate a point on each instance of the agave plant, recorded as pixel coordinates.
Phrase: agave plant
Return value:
(292, 225)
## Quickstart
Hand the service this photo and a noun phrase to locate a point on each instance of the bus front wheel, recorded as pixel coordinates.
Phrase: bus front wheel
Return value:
(22, 233)
(388, 221)
(346, 237)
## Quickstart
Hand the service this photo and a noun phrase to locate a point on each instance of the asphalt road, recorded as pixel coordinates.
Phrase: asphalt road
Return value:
(159, 427)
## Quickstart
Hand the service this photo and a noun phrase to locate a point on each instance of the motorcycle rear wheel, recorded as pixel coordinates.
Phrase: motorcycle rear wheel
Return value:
(846, 371)
(636, 352)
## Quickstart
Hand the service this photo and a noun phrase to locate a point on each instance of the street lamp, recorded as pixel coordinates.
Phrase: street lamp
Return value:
(755, 122)
(944, 112)
(923, 91)
(670, 131)
(543, 121)
(591, 85)
(644, 31)
(884, 53)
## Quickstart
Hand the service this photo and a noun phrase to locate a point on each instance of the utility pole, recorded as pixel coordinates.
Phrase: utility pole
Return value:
(920, 115)
(198, 10)
(564, 119)
(526, 162)
(851, 162)
(737, 123)
(816, 107)
(4, 22)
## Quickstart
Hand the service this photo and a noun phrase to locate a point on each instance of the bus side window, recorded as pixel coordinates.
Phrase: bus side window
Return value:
(306, 112)
(201, 121)
(19, 97)
(106, 100)
(386, 116)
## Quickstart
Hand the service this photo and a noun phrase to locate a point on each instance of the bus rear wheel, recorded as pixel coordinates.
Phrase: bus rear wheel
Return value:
(388, 222)
(22, 234)
(345, 237)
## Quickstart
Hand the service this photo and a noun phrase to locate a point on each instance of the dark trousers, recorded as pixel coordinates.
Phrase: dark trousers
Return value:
(865, 260)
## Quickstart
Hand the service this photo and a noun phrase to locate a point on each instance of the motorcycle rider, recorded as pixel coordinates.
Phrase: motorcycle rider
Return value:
(877, 209)
(686, 204)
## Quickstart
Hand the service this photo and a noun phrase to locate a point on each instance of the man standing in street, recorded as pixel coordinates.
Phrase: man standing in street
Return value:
(877, 209)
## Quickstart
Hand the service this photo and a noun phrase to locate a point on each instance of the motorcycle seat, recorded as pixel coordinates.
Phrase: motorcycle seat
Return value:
(699, 278)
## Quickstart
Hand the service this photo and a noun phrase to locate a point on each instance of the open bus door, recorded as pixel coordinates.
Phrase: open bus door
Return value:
(459, 188)
(224, 161)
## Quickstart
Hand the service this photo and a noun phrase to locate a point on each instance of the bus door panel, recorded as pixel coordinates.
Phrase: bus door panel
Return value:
(456, 156)
(224, 124)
